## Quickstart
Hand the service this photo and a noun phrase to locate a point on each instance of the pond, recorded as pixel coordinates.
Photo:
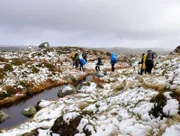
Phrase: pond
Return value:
(14, 111)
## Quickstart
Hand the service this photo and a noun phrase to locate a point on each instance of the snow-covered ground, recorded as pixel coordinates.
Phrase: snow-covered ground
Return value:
(117, 104)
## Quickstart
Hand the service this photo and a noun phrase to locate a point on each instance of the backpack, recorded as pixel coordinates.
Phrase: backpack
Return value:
(76, 57)
(72, 55)
(113, 58)
(150, 55)
(83, 61)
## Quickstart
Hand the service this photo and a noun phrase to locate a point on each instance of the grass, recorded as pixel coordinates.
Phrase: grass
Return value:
(160, 102)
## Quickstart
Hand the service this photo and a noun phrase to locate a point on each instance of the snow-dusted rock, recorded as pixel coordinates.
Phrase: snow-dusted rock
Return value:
(29, 111)
(66, 90)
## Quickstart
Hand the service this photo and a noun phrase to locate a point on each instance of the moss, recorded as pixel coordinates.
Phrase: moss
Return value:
(118, 88)
(51, 67)
(160, 102)
(8, 67)
(32, 133)
(17, 61)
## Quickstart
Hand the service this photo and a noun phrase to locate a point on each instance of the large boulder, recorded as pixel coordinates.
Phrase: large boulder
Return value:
(44, 45)
(66, 90)
(100, 73)
(29, 111)
(3, 116)
(177, 50)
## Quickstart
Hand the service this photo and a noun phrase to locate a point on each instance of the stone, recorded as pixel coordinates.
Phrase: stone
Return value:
(66, 90)
(29, 111)
(44, 45)
(3, 116)
(99, 73)
(177, 50)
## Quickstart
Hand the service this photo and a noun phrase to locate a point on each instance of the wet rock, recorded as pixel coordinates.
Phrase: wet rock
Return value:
(66, 90)
(29, 111)
(3, 116)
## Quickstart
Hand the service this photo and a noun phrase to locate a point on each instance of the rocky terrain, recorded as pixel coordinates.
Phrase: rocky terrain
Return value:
(108, 104)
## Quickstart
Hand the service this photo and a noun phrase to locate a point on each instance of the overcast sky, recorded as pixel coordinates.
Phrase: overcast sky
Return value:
(91, 23)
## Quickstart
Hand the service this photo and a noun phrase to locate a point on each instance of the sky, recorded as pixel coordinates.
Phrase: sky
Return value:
(91, 23)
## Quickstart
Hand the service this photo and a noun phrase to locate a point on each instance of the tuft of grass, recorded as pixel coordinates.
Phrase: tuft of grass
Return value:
(160, 102)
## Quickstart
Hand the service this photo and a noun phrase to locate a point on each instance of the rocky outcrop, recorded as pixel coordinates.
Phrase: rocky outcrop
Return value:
(29, 112)
(44, 45)
(177, 50)
(3, 116)
(66, 90)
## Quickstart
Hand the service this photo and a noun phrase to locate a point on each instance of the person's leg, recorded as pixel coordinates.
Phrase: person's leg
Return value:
(112, 64)
(99, 68)
(96, 68)
(141, 72)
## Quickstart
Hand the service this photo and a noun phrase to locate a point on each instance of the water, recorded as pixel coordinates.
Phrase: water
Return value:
(16, 117)
(14, 111)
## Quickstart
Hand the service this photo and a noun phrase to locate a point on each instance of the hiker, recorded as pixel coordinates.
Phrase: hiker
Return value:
(82, 62)
(76, 60)
(99, 62)
(84, 55)
(149, 61)
(143, 64)
(72, 57)
(113, 61)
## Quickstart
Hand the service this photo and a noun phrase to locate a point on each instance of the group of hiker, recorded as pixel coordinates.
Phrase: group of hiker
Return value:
(147, 62)
(80, 60)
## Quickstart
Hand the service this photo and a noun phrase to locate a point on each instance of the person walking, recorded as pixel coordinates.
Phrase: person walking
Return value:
(149, 61)
(82, 62)
(99, 62)
(113, 61)
(84, 55)
(143, 64)
(76, 60)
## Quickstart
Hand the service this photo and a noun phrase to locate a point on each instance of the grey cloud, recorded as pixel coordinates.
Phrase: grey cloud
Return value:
(91, 22)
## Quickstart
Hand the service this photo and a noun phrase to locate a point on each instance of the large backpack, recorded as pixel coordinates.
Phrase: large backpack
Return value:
(150, 55)
(113, 58)
(72, 55)
(83, 61)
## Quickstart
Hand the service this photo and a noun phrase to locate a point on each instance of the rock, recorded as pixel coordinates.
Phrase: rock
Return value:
(177, 50)
(3, 116)
(99, 73)
(82, 105)
(66, 90)
(69, 129)
(89, 78)
(29, 112)
(44, 45)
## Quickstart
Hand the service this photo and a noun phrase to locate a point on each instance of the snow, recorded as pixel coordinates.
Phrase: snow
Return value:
(122, 112)
(67, 117)
(173, 130)
(171, 108)
(66, 89)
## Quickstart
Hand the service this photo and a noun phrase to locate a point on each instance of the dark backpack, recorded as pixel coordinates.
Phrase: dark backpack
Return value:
(150, 55)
